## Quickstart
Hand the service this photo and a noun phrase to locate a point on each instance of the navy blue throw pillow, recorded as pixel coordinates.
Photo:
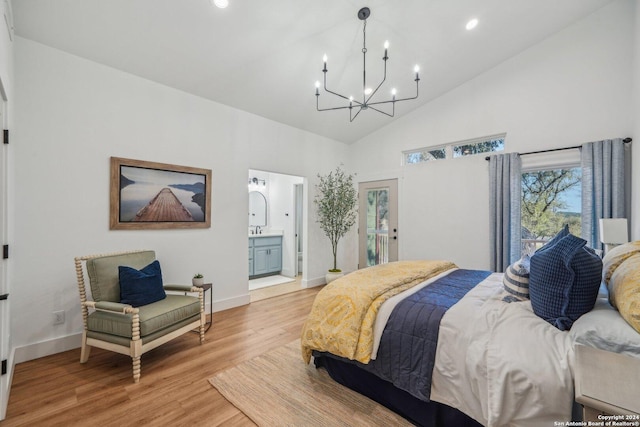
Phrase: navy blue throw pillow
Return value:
(564, 281)
(141, 287)
(561, 234)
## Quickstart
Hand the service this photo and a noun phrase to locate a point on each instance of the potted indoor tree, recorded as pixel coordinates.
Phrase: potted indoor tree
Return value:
(336, 205)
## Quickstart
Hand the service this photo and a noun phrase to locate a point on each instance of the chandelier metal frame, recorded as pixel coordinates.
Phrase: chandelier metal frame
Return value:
(366, 103)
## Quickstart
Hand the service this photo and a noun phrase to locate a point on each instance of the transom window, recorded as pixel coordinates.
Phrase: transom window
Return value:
(455, 149)
(486, 145)
(425, 155)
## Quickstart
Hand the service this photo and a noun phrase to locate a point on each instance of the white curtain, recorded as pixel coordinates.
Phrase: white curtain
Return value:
(603, 185)
(505, 184)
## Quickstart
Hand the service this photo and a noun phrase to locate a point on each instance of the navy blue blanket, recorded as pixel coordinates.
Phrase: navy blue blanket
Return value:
(407, 350)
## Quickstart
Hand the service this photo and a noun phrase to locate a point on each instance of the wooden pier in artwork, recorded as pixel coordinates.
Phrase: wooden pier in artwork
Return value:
(164, 207)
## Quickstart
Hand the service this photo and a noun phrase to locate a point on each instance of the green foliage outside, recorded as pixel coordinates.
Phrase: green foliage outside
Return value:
(478, 147)
(543, 202)
(336, 203)
(377, 219)
(426, 155)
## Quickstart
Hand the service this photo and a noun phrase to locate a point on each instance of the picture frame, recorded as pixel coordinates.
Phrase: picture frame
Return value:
(151, 195)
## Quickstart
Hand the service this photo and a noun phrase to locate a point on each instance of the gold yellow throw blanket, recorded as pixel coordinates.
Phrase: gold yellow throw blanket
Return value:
(344, 312)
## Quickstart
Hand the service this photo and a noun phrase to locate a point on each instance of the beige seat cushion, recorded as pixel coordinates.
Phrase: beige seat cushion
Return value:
(153, 317)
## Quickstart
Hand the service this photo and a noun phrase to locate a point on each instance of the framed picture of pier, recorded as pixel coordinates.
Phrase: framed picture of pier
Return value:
(149, 195)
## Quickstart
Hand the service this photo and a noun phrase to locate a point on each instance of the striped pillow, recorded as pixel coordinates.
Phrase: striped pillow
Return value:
(516, 280)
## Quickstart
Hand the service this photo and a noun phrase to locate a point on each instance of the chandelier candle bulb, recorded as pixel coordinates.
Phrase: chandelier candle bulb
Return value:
(471, 24)
(221, 3)
(317, 88)
(324, 59)
(386, 47)
(417, 70)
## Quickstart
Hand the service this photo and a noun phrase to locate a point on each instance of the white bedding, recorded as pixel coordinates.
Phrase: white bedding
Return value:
(504, 366)
(498, 362)
(604, 328)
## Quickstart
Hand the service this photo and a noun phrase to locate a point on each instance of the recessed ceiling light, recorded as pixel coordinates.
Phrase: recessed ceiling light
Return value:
(220, 3)
(472, 24)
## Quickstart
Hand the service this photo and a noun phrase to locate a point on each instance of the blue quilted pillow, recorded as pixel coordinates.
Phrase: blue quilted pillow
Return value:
(561, 234)
(141, 287)
(564, 281)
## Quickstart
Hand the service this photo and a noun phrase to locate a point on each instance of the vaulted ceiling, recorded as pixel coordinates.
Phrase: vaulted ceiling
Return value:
(265, 56)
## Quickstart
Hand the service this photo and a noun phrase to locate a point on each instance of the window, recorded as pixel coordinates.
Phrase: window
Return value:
(424, 155)
(455, 149)
(485, 145)
(551, 198)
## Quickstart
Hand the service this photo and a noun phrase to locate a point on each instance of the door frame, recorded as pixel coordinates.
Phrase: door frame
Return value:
(392, 183)
(6, 353)
(298, 194)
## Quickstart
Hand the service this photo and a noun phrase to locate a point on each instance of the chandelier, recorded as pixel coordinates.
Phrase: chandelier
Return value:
(367, 92)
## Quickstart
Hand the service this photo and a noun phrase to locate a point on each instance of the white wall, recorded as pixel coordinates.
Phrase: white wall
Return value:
(71, 115)
(635, 151)
(573, 87)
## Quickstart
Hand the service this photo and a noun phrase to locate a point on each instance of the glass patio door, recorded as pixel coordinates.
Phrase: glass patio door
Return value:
(378, 222)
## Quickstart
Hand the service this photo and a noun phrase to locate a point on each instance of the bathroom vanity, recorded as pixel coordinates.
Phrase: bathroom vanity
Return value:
(265, 254)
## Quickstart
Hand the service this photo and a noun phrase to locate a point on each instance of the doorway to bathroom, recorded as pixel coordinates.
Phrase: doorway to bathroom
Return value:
(276, 233)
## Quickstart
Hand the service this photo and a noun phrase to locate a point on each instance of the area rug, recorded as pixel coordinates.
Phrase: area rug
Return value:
(278, 389)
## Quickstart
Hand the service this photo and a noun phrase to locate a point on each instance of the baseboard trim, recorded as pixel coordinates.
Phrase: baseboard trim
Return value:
(318, 281)
(225, 304)
(311, 283)
(47, 348)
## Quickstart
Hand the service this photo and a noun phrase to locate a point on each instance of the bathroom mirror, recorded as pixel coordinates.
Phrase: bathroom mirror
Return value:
(257, 209)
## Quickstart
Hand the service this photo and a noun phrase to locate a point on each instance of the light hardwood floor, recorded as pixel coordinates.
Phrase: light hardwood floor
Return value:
(59, 391)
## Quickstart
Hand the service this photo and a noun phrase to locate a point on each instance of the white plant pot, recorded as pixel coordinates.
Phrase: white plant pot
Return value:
(331, 276)
(197, 282)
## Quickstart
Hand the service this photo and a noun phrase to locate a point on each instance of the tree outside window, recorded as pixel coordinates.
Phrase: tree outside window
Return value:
(550, 199)
(488, 146)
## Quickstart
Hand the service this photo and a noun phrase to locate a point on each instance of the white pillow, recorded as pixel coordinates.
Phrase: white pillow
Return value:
(604, 328)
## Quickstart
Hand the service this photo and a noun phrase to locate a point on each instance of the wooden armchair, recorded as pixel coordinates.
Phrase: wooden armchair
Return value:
(125, 329)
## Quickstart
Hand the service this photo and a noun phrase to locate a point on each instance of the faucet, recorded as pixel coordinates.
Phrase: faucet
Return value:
(258, 231)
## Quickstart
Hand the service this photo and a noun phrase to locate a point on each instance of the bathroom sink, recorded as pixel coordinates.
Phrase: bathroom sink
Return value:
(267, 233)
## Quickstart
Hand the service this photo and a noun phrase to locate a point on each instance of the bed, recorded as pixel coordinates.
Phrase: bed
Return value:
(496, 360)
